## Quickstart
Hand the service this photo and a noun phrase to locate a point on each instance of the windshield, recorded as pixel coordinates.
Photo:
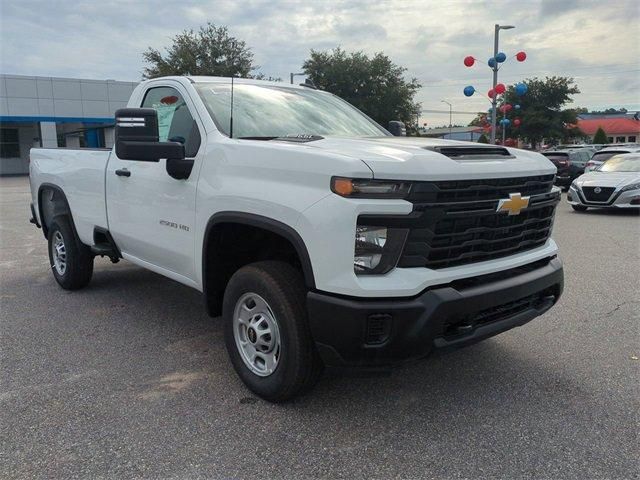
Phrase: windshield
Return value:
(274, 111)
(622, 163)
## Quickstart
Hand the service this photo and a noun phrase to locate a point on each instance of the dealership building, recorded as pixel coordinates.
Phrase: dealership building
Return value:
(55, 112)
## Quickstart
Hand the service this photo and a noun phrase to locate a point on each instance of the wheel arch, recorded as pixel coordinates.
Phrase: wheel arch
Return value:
(56, 205)
(254, 221)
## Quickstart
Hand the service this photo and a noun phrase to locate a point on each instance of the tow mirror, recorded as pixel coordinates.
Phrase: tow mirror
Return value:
(137, 138)
(397, 128)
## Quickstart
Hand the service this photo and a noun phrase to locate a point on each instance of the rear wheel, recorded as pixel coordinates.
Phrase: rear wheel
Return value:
(579, 208)
(71, 260)
(266, 330)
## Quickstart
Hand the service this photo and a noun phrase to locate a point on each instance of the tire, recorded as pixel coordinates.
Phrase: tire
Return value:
(579, 208)
(294, 366)
(76, 268)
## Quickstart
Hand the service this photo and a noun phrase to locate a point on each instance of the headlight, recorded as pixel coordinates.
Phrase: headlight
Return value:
(362, 188)
(574, 185)
(377, 249)
(633, 186)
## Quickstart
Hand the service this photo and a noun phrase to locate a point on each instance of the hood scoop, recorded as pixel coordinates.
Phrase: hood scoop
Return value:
(472, 152)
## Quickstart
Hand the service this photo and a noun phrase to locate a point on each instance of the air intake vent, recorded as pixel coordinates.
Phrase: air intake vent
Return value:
(473, 152)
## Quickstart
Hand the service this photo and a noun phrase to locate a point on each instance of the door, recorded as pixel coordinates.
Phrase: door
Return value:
(151, 214)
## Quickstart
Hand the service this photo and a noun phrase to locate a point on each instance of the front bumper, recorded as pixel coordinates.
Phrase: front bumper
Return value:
(629, 199)
(380, 332)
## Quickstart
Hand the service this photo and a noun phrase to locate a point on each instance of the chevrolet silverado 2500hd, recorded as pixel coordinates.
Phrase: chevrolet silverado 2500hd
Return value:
(320, 238)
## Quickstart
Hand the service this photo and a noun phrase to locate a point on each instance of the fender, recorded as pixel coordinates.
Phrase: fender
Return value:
(266, 223)
(65, 211)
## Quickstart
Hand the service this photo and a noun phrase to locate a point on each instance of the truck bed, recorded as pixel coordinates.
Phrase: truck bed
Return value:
(80, 174)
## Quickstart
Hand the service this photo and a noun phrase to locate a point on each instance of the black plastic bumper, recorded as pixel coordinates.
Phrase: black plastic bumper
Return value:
(381, 332)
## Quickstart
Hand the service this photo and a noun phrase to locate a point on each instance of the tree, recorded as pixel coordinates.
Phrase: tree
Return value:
(483, 139)
(541, 110)
(209, 51)
(600, 136)
(375, 84)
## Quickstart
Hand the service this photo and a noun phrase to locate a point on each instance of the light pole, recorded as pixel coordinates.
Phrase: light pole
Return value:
(494, 100)
(295, 75)
(450, 106)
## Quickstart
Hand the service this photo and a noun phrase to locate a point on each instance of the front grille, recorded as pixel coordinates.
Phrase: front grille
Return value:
(602, 195)
(456, 223)
(474, 190)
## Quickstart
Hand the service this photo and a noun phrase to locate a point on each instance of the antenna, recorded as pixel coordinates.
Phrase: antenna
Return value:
(231, 116)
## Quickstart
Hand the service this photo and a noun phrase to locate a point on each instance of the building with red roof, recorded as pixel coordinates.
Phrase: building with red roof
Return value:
(618, 130)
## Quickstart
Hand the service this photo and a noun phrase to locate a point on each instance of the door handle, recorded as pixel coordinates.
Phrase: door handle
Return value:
(123, 172)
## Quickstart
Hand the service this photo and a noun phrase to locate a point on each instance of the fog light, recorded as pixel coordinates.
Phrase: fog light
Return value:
(377, 248)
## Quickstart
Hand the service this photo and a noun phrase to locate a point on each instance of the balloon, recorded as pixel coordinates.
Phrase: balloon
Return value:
(500, 88)
(491, 93)
(508, 107)
(469, 61)
(505, 122)
(521, 89)
(469, 90)
(517, 107)
(501, 57)
(517, 122)
(492, 62)
(521, 56)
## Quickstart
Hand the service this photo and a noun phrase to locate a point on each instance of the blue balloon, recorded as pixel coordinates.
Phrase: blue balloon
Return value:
(517, 107)
(505, 122)
(521, 89)
(501, 57)
(469, 90)
(492, 62)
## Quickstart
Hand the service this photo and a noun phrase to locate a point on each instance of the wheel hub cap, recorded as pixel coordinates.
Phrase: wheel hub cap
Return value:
(256, 334)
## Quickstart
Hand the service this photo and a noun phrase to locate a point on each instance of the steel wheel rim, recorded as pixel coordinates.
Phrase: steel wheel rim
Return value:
(59, 253)
(256, 333)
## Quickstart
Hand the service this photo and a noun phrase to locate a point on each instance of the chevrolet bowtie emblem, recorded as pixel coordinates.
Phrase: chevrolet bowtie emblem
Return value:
(514, 204)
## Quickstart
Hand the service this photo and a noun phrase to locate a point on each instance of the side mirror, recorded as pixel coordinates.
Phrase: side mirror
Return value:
(397, 128)
(137, 138)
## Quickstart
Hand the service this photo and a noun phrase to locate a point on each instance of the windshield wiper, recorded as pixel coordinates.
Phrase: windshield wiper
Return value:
(299, 138)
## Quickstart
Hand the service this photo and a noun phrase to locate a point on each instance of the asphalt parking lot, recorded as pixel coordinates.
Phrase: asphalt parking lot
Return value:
(130, 378)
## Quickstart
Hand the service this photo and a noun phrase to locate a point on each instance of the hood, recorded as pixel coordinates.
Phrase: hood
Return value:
(608, 179)
(415, 158)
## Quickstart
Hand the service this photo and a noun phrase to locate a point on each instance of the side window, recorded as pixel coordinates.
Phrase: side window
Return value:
(175, 123)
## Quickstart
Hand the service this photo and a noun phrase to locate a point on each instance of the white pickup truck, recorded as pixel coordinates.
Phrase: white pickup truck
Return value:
(319, 237)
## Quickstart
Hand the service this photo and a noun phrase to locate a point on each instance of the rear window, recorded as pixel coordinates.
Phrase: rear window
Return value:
(604, 156)
(556, 156)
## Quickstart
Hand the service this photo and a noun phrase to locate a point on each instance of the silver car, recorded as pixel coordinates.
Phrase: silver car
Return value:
(616, 183)
(606, 153)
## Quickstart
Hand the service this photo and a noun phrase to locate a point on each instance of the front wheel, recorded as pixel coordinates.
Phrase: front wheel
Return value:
(579, 208)
(71, 260)
(266, 331)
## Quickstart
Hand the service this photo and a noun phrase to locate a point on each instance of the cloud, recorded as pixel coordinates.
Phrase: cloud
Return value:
(593, 41)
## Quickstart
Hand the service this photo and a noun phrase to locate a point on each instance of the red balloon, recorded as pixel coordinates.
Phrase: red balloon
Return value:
(517, 122)
(508, 107)
(521, 56)
(469, 61)
(500, 88)
(491, 93)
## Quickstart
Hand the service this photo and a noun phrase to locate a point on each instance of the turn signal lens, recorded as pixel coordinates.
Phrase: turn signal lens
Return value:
(361, 188)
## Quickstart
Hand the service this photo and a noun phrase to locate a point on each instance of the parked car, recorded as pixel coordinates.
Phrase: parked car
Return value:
(603, 155)
(321, 238)
(615, 184)
(570, 164)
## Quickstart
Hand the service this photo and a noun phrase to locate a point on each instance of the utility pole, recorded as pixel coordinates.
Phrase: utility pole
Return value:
(494, 100)
(450, 124)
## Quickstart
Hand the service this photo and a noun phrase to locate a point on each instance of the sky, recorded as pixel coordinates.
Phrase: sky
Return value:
(595, 42)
